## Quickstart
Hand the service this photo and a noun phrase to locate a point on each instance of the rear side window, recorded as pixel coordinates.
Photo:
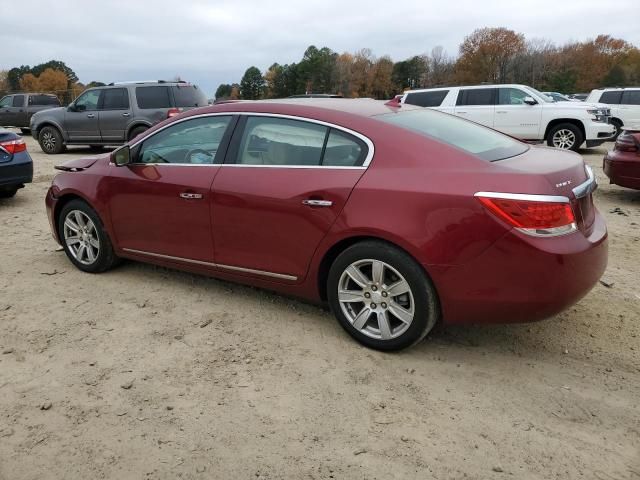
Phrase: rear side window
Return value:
(476, 96)
(631, 97)
(468, 136)
(43, 100)
(426, 99)
(153, 97)
(343, 150)
(188, 96)
(18, 100)
(612, 98)
(115, 99)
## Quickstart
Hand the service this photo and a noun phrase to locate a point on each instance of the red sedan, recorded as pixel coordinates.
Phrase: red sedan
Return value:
(622, 165)
(398, 217)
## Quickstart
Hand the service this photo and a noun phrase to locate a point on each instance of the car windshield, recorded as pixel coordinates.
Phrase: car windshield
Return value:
(465, 135)
(539, 95)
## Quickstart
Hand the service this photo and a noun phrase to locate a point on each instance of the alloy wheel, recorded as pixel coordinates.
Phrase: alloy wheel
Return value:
(376, 299)
(81, 237)
(48, 141)
(564, 138)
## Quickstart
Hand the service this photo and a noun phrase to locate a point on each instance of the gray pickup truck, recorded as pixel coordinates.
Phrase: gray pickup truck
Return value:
(16, 110)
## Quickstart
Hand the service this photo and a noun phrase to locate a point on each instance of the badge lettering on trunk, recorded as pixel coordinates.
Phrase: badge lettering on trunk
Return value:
(563, 184)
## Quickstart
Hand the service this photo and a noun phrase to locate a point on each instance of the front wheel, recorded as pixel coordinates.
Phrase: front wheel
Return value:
(84, 238)
(51, 141)
(381, 296)
(565, 136)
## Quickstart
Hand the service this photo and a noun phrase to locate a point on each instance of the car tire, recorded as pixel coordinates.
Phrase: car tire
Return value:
(136, 131)
(51, 141)
(402, 302)
(8, 192)
(565, 136)
(25, 131)
(84, 239)
(618, 124)
(96, 148)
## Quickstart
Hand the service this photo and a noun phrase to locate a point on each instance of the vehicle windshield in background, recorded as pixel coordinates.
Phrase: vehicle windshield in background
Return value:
(189, 96)
(468, 136)
(536, 94)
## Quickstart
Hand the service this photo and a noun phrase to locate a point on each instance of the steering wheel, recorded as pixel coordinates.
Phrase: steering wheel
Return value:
(188, 157)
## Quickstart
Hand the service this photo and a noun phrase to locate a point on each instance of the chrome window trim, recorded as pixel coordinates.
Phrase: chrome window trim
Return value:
(366, 140)
(524, 196)
(214, 265)
(588, 186)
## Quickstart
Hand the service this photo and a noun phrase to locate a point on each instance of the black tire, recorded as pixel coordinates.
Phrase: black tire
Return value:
(8, 192)
(618, 124)
(51, 141)
(423, 299)
(106, 257)
(557, 129)
(96, 148)
(25, 131)
(136, 131)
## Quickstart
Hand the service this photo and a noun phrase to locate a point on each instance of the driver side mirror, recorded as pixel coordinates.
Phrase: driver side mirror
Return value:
(71, 108)
(530, 101)
(122, 156)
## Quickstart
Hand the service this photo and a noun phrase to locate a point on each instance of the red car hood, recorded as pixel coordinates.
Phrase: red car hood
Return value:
(78, 164)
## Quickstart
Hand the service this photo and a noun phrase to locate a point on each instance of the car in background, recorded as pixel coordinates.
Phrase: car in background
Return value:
(398, 217)
(316, 95)
(113, 114)
(558, 97)
(522, 112)
(624, 104)
(622, 164)
(580, 97)
(16, 167)
(17, 109)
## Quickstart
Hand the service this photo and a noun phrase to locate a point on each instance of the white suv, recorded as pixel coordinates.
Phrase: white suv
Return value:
(624, 104)
(521, 112)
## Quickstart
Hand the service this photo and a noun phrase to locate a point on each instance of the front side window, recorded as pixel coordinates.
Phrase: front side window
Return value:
(631, 97)
(115, 99)
(427, 99)
(281, 141)
(511, 96)
(18, 100)
(6, 102)
(611, 97)
(153, 97)
(476, 96)
(192, 142)
(475, 139)
(88, 100)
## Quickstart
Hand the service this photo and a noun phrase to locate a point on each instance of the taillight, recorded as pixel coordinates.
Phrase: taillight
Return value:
(626, 143)
(172, 112)
(14, 146)
(537, 215)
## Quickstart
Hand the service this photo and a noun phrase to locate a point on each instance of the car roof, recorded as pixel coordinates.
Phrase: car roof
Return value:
(484, 85)
(363, 107)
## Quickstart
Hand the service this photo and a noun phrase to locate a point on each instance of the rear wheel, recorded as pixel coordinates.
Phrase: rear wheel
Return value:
(618, 124)
(96, 148)
(565, 136)
(136, 131)
(381, 296)
(50, 140)
(84, 238)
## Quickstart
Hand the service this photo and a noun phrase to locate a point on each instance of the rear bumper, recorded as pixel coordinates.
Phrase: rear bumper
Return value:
(523, 279)
(622, 168)
(17, 172)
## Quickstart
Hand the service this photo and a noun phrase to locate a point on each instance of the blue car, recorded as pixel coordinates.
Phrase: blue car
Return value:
(16, 166)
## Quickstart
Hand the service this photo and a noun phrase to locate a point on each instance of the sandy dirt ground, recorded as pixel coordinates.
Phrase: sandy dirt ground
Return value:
(149, 373)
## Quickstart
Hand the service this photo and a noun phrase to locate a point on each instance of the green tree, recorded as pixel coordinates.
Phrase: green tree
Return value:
(315, 70)
(223, 91)
(252, 84)
(55, 65)
(15, 74)
(615, 77)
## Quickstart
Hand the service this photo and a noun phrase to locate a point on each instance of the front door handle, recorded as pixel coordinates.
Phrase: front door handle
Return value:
(461, 112)
(317, 203)
(191, 196)
(90, 115)
(501, 111)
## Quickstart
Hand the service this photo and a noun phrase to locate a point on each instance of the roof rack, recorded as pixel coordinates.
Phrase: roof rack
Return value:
(129, 82)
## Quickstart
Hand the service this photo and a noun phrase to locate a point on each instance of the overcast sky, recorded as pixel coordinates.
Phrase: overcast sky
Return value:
(213, 42)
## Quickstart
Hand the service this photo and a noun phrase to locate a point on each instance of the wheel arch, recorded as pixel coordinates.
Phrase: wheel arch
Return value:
(135, 125)
(557, 121)
(50, 123)
(63, 200)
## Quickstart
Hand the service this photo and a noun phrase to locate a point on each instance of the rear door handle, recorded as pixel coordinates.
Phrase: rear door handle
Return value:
(90, 115)
(501, 111)
(461, 112)
(126, 114)
(191, 196)
(317, 203)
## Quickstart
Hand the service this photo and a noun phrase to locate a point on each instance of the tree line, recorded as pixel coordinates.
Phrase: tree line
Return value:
(494, 55)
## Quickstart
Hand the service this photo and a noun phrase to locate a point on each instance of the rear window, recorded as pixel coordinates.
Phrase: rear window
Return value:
(426, 99)
(188, 96)
(43, 100)
(153, 97)
(468, 136)
(612, 98)
(631, 97)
